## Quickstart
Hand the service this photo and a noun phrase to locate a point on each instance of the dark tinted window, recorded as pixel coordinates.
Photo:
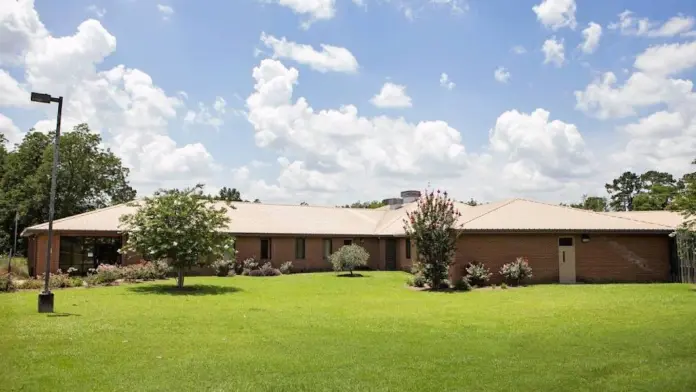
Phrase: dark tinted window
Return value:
(299, 248)
(265, 248)
(347, 242)
(565, 241)
(408, 248)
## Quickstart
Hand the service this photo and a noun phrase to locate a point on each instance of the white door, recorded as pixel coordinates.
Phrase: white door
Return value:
(566, 260)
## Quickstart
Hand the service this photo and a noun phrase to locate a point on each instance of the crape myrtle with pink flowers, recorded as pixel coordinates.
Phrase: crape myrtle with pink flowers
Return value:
(432, 229)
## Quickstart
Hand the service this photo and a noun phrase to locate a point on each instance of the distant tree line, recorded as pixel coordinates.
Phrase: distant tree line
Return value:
(650, 191)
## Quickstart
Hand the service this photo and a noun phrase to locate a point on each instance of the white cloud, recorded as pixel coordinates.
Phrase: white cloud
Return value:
(553, 52)
(339, 140)
(664, 139)
(122, 103)
(446, 82)
(540, 154)
(165, 10)
(220, 105)
(315, 9)
(501, 74)
(628, 24)
(98, 12)
(359, 3)
(556, 14)
(11, 93)
(331, 58)
(667, 59)
(10, 131)
(518, 49)
(392, 96)
(591, 36)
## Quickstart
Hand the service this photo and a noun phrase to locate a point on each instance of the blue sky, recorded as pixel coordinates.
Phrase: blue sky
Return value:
(209, 50)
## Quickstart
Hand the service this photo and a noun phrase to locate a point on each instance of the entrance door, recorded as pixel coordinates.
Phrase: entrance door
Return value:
(390, 254)
(566, 260)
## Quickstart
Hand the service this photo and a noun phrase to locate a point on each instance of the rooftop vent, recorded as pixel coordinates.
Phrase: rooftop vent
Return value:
(393, 203)
(410, 196)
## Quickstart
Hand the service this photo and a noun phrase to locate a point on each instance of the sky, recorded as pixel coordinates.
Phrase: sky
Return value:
(334, 101)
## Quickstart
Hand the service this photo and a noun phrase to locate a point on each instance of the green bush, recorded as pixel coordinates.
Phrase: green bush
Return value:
(32, 284)
(462, 284)
(503, 286)
(417, 280)
(249, 265)
(223, 267)
(104, 274)
(348, 257)
(477, 274)
(516, 272)
(6, 283)
(286, 268)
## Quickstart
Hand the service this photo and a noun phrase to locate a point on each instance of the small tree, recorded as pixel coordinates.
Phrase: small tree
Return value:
(183, 227)
(348, 257)
(432, 229)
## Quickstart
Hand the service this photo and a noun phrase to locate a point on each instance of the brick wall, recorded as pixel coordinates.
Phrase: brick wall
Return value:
(605, 258)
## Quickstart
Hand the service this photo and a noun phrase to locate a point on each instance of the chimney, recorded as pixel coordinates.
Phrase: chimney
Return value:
(410, 196)
(393, 203)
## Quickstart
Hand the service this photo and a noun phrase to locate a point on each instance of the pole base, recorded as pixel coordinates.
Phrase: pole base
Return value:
(46, 302)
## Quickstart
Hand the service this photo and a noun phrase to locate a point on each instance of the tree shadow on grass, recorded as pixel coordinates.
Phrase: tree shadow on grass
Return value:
(355, 275)
(195, 289)
(63, 315)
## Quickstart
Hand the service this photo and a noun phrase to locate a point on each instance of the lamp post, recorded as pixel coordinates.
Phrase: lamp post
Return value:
(46, 296)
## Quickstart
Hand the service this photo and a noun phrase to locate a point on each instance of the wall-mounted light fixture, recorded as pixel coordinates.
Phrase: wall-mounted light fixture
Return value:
(585, 238)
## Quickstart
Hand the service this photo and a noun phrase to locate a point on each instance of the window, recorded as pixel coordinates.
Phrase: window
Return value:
(266, 249)
(565, 241)
(299, 248)
(408, 248)
(328, 248)
(347, 242)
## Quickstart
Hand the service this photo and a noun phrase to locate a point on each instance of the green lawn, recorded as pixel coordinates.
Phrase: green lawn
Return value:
(319, 332)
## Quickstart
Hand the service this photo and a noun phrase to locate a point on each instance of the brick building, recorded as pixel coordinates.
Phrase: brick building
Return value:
(562, 244)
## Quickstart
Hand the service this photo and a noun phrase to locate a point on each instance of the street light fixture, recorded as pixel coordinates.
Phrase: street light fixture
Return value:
(46, 296)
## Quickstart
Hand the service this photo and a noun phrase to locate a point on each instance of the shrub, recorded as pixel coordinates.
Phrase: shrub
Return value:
(6, 283)
(104, 274)
(417, 280)
(76, 281)
(256, 272)
(432, 229)
(517, 271)
(477, 274)
(59, 280)
(31, 284)
(348, 257)
(462, 284)
(268, 270)
(223, 267)
(286, 268)
(504, 286)
(249, 265)
(493, 286)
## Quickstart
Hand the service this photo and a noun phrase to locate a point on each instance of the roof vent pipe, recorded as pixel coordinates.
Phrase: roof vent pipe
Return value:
(393, 203)
(410, 196)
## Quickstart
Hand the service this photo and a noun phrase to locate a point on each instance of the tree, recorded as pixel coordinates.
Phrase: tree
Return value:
(89, 177)
(367, 204)
(592, 203)
(685, 201)
(622, 190)
(659, 191)
(183, 227)
(229, 194)
(349, 257)
(432, 228)
(304, 203)
(472, 202)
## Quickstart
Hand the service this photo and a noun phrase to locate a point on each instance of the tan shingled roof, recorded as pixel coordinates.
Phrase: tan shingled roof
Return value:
(507, 215)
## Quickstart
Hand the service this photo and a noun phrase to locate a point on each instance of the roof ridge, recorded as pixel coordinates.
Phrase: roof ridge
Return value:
(595, 212)
(296, 205)
(504, 203)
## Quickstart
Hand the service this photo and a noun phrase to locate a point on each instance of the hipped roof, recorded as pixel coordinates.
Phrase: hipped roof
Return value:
(513, 215)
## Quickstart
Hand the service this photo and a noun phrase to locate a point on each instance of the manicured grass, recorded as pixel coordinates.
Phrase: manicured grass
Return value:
(319, 332)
